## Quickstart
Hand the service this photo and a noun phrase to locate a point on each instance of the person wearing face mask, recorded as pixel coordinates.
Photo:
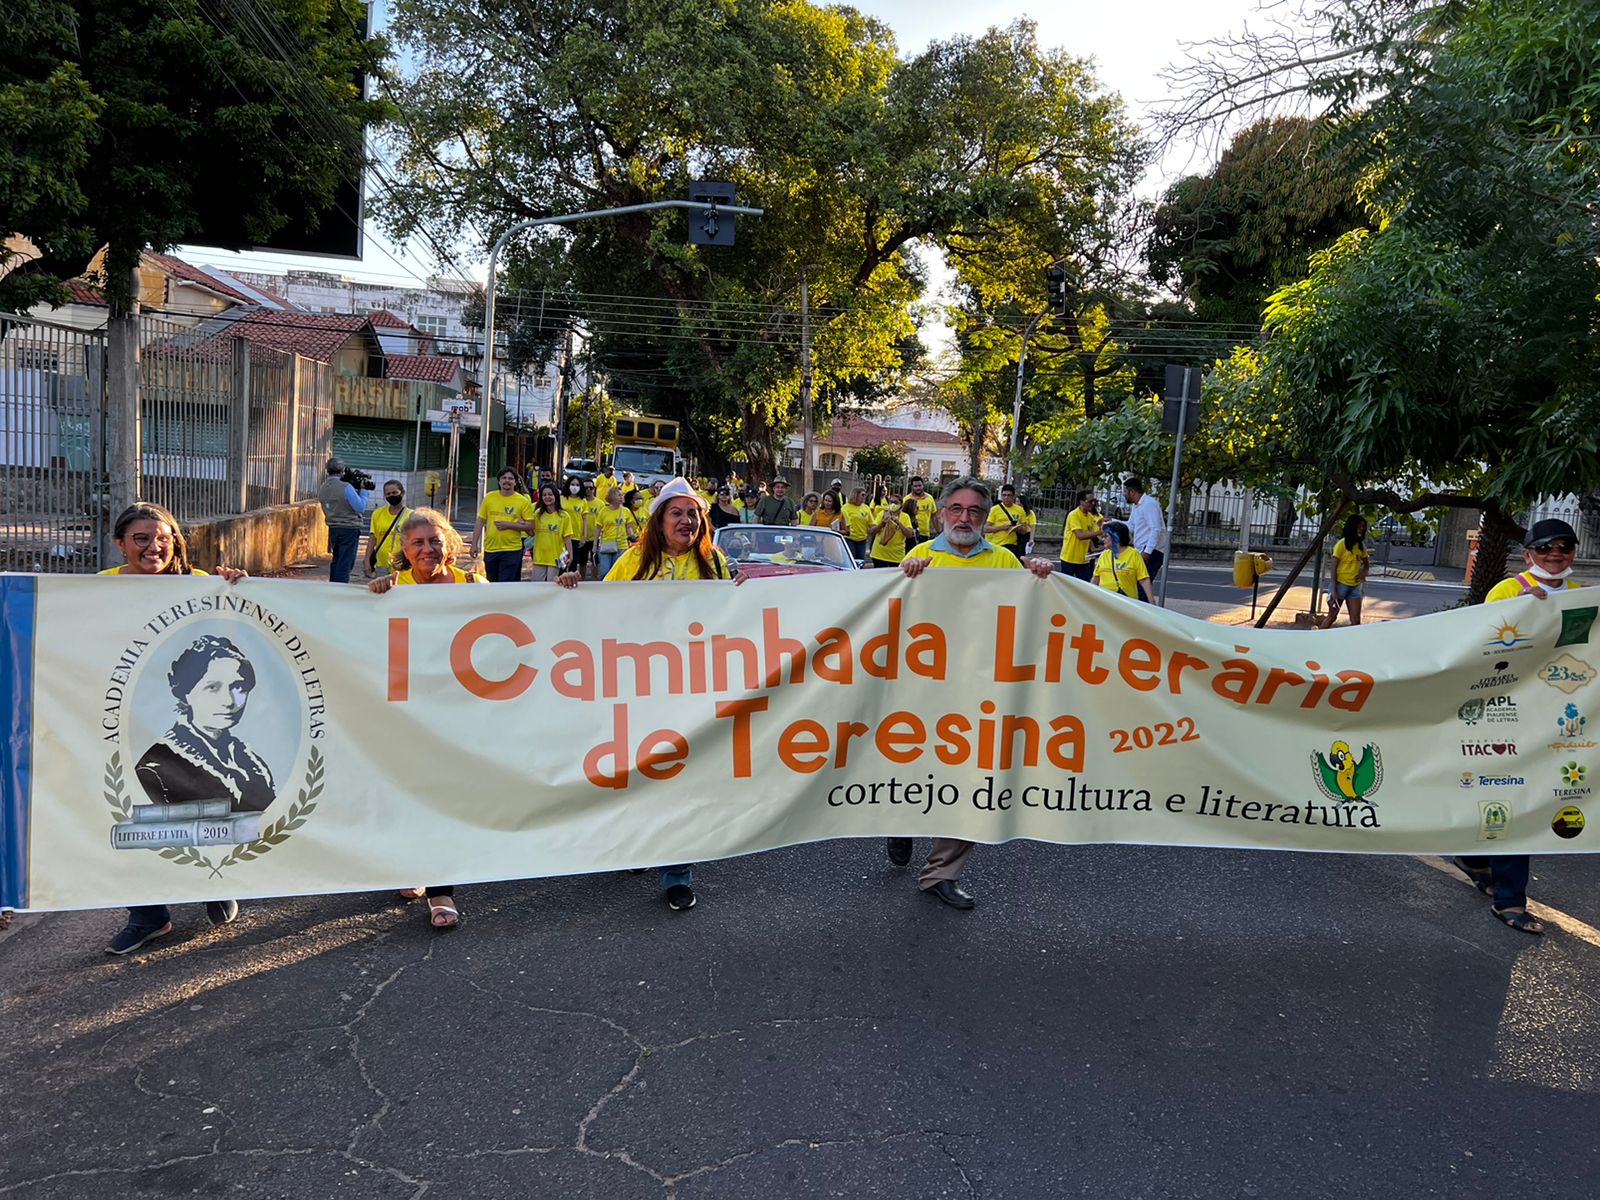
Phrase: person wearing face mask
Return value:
(383, 538)
(1547, 555)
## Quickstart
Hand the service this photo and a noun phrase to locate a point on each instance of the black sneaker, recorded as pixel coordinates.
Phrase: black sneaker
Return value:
(898, 850)
(222, 912)
(680, 897)
(133, 936)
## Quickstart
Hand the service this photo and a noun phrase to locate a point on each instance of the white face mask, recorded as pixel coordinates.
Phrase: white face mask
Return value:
(1551, 577)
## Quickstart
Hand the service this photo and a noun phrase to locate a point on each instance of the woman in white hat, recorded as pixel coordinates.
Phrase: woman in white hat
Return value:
(674, 543)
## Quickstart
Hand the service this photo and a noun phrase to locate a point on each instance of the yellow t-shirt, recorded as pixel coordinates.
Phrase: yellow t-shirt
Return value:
(123, 570)
(922, 513)
(495, 507)
(990, 556)
(1349, 560)
(457, 575)
(683, 566)
(808, 518)
(1075, 550)
(998, 515)
(1124, 574)
(549, 531)
(582, 513)
(602, 487)
(1520, 585)
(387, 526)
(615, 525)
(890, 543)
(857, 520)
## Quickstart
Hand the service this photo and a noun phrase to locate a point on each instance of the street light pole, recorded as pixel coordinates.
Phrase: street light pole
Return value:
(489, 299)
(805, 387)
(1016, 404)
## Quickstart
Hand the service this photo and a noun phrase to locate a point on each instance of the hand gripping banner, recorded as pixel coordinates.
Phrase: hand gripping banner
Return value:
(180, 738)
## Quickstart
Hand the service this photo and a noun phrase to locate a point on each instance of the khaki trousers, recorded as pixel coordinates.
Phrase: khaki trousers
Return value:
(945, 860)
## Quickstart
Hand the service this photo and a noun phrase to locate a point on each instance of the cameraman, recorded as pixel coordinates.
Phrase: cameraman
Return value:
(343, 507)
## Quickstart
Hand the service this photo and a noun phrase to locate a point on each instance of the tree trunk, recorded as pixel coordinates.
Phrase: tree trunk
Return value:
(1495, 536)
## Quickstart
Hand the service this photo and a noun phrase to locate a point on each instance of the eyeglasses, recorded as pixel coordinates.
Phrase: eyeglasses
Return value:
(1557, 546)
(956, 510)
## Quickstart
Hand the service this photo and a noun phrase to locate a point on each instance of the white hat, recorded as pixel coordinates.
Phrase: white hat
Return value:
(678, 488)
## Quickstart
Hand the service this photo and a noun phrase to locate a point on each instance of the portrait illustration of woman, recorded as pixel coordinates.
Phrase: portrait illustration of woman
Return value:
(200, 758)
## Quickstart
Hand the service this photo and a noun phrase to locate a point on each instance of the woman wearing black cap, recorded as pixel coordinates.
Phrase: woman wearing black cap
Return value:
(1548, 554)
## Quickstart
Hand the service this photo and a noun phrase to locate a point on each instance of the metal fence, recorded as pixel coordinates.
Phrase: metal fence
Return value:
(53, 494)
(222, 430)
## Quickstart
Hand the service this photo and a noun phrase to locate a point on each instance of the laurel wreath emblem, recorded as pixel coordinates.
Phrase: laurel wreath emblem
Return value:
(274, 834)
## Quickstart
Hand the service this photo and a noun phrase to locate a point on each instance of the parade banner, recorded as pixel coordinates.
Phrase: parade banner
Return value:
(183, 739)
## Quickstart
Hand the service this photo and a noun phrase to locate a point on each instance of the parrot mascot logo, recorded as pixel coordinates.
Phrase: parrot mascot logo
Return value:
(1344, 778)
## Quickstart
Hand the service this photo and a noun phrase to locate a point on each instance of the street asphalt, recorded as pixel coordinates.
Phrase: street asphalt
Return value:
(1109, 1022)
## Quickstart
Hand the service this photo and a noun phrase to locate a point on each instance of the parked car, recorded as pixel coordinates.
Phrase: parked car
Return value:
(1398, 532)
(763, 550)
(582, 468)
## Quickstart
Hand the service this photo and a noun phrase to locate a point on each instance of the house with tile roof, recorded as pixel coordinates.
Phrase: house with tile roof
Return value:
(930, 452)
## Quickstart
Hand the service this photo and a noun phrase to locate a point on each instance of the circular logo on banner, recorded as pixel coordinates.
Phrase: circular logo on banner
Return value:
(214, 711)
(1568, 822)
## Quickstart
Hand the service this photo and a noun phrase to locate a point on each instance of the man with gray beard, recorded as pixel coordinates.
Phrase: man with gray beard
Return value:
(964, 511)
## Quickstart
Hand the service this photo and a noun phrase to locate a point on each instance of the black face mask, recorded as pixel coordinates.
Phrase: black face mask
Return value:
(393, 499)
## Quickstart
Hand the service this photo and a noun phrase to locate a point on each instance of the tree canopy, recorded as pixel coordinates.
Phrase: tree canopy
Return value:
(143, 122)
(857, 156)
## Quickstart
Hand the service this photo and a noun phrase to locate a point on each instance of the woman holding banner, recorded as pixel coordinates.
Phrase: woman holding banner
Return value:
(429, 546)
(674, 544)
(152, 543)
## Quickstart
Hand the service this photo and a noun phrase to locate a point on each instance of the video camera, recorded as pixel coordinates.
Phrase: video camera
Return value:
(357, 478)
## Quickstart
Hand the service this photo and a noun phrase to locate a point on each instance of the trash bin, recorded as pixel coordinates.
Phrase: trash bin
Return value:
(1249, 566)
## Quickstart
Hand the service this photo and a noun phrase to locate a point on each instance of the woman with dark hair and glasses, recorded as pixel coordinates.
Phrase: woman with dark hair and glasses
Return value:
(675, 543)
(1548, 553)
(152, 543)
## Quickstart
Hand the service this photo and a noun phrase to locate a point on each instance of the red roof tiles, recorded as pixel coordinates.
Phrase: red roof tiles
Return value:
(858, 433)
(422, 368)
(193, 274)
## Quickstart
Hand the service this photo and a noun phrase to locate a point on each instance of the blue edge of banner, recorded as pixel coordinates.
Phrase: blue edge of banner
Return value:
(18, 595)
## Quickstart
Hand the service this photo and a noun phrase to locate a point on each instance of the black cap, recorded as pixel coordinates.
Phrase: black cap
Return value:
(1547, 530)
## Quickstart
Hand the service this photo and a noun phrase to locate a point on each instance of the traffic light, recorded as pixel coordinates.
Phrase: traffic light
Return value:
(707, 226)
(1055, 284)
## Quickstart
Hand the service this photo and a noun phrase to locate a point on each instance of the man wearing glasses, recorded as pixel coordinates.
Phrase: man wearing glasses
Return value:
(1548, 554)
(964, 510)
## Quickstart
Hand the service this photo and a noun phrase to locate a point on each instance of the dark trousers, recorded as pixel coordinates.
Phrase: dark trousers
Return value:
(1510, 873)
(342, 543)
(149, 916)
(858, 550)
(441, 891)
(1083, 570)
(581, 555)
(503, 566)
(1152, 564)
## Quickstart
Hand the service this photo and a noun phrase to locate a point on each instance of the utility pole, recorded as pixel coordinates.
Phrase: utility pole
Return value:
(1016, 404)
(122, 404)
(711, 229)
(805, 387)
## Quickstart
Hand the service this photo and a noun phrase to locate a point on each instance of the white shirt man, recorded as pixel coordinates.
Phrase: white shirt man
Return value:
(1147, 525)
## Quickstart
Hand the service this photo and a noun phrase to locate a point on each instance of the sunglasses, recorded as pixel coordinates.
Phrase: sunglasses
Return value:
(1558, 546)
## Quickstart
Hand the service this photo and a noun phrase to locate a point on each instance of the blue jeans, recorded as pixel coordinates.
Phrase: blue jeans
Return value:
(607, 559)
(342, 543)
(145, 917)
(672, 876)
(1510, 876)
(503, 566)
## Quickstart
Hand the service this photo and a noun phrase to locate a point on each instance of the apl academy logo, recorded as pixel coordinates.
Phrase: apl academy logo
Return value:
(1489, 710)
(1344, 778)
(217, 707)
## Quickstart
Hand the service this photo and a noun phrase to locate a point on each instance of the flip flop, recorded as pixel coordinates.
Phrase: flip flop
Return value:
(448, 911)
(407, 895)
(1525, 921)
